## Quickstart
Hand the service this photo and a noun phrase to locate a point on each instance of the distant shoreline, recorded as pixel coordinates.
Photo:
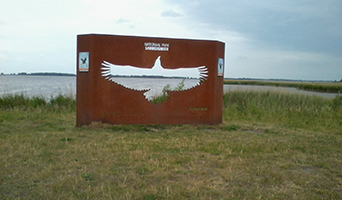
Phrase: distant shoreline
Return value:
(242, 81)
(40, 74)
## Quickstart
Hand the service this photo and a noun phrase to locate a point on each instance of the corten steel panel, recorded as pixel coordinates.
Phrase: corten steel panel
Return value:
(101, 100)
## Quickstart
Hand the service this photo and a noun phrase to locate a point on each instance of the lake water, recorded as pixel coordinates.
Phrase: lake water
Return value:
(46, 86)
(50, 86)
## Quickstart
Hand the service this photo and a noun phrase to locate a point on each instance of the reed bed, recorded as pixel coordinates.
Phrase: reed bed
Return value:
(60, 102)
(285, 109)
(329, 87)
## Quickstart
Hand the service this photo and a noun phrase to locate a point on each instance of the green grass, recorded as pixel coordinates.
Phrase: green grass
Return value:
(284, 109)
(269, 146)
(59, 102)
(330, 87)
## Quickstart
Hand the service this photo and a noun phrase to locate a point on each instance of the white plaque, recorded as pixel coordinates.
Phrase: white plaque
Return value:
(83, 61)
(220, 67)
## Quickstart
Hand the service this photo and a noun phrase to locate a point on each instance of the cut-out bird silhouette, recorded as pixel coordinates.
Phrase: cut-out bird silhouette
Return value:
(84, 60)
(199, 73)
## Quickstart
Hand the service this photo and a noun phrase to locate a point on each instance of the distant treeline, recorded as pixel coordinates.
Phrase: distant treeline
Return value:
(45, 74)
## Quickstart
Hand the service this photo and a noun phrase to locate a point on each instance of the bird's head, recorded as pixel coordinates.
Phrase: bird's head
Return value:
(157, 62)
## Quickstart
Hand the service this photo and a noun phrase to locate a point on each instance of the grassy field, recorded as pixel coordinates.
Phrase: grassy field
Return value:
(331, 87)
(269, 146)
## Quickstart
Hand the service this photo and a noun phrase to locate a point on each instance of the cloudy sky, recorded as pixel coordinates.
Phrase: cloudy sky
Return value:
(287, 39)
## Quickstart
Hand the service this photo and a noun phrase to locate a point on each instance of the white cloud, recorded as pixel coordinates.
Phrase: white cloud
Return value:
(122, 20)
(49, 28)
(263, 39)
(170, 13)
(268, 63)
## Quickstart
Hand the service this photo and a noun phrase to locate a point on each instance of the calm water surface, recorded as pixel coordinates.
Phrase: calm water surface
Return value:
(46, 86)
(50, 86)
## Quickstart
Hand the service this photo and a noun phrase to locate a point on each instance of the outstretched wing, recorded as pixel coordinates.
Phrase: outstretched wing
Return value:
(200, 73)
(110, 69)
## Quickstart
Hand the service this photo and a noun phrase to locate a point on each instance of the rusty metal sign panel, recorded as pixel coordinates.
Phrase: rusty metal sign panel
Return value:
(145, 80)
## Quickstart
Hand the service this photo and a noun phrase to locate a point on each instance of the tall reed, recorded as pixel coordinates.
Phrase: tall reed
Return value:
(58, 103)
(331, 87)
(285, 109)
